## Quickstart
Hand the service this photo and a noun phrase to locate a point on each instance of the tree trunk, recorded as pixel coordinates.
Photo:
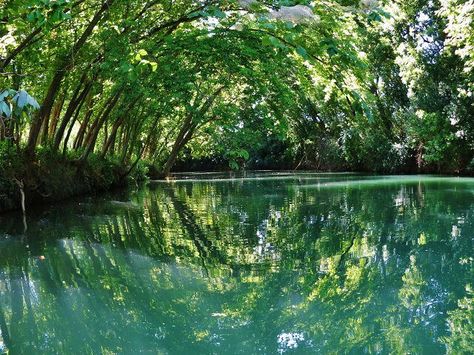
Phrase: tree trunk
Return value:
(112, 135)
(187, 130)
(43, 112)
(71, 126)
(91, 130)
(56, 114)
(64, 67)
(76, 99)
(100, 122)
(80, 135)
(139, 156)
(178, 145)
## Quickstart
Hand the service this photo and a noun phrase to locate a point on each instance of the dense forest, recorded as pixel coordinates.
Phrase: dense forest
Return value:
(105, 89)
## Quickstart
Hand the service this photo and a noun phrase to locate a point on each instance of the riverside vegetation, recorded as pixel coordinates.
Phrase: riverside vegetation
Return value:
(99, 93)
(95, 91)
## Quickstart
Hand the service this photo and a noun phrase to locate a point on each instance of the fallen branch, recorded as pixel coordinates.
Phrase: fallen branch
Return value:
(21, 186)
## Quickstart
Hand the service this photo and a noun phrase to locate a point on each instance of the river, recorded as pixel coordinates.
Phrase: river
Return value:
(265, 263)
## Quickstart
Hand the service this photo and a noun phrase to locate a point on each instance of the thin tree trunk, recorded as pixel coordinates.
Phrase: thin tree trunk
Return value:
(72, 107)
(125, 140)
(80, 135)
(100, 122)
(43, 139)
(178, 144)
(113, 133)
(24, 44)
(187, 130)
(64, 67)
(91, 129)
(56, 114)
(71, 126)
(134, 133)
(139, 156)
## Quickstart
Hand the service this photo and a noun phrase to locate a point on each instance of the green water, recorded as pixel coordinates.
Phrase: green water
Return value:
(274, 263)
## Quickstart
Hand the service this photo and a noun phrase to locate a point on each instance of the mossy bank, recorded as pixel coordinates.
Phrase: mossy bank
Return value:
(49, 177)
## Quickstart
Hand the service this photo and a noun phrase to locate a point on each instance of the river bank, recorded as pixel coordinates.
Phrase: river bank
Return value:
(53, 177)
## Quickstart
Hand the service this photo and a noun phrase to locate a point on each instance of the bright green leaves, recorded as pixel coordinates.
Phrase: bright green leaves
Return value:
(237, 158)
(459, 30)
(139, 58)
(141, 53)
(153, 66)
(49, 12)
(271, 41)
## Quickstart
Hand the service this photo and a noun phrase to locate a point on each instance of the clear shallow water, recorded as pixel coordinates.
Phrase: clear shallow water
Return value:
(274, 263)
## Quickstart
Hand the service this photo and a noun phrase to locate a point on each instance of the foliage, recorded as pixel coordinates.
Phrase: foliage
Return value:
(370, 85)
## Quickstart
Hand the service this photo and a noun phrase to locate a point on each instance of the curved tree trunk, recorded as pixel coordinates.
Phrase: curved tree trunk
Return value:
(80, 135)
(71, 126)
(187, 130)
(72, 107)
(184, 136)
(62, 70)
(56, 114)
(100, 121)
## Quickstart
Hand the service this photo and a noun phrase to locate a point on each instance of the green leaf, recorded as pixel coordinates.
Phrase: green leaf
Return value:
(375, 16)
(244, 154)
(332, 50)
(276, 42)
(233, 165)
(269, 26)
(367, 111)
(302, 52)
(266, 41)
(216, 12)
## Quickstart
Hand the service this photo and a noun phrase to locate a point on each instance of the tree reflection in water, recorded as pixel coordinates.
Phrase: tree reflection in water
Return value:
(298, 263)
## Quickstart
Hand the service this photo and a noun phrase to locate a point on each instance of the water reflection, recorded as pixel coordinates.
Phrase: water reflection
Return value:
(298, 263)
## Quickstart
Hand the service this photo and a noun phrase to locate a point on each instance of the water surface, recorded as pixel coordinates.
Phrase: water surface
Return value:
(263, 264)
